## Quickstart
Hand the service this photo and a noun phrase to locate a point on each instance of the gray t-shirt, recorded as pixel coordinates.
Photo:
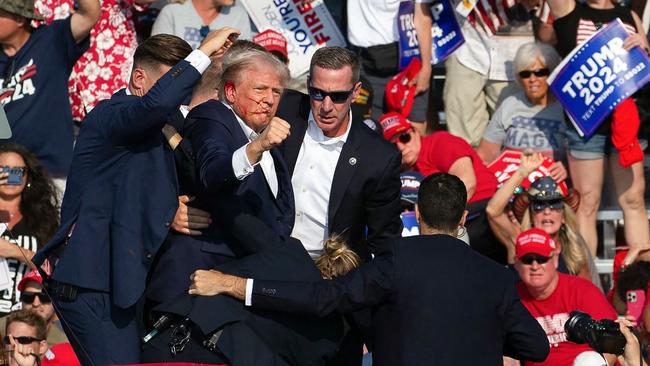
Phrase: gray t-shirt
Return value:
(518, 124)
(183, 21)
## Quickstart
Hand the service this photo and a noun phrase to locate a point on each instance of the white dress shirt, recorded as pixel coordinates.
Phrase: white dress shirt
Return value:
(312, 184)
(242, 167)
(372, 22)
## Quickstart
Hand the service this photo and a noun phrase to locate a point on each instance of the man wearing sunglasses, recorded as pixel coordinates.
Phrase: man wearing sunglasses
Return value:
(550, 296)
(345, 178)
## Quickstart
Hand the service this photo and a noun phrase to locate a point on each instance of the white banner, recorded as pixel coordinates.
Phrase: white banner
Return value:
(306, 24)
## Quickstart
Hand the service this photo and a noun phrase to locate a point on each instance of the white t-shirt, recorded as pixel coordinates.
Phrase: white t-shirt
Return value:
(372, 22)
(183, 21)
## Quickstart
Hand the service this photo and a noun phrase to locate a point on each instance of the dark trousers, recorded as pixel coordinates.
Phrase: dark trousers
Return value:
(100, 333)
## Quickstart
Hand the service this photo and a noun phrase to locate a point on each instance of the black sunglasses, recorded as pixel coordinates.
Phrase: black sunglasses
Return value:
(403, 137)
(539, 206)
(525, 74)
(21, 340)
(336, 96)
(528, 259)
(29, 297)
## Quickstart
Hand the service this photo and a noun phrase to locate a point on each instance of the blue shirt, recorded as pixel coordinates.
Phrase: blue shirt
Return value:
(34, 93)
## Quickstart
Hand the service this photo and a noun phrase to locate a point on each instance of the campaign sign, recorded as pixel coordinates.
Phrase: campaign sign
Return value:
(307, 26)
(446, 35)
(411, 227)
(598, 75)
(508, 162)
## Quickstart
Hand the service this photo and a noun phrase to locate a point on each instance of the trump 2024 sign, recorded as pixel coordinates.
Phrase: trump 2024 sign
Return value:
(597, 76)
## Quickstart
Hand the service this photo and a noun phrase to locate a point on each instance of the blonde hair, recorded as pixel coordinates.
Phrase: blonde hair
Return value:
(337, 258)
(574, 247)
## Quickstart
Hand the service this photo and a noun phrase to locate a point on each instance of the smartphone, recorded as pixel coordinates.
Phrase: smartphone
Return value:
(635, 300)
(15, 175)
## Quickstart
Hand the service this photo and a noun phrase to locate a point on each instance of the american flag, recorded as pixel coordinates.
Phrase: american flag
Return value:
(490, 15)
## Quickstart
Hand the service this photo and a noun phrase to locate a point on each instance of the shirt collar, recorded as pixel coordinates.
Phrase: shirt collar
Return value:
(317, 134)
(250, 134)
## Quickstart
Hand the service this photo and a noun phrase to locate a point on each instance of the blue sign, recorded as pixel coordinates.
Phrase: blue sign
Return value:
(597, 76)
(446, 35)
(411, 227)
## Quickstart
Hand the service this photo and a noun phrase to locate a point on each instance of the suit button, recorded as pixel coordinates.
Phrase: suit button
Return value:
(148, 255)
(168, 223)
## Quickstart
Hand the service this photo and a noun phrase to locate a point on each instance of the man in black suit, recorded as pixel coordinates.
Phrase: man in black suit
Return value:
(120, 200)
(238, 169)
(436, 301)
(345, 177)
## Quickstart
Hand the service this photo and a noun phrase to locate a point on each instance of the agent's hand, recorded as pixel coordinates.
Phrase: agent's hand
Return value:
(217, 39)
(209, 283)
(188, 220)
(558, 172)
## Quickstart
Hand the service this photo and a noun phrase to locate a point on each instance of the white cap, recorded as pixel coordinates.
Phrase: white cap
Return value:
(589, 358)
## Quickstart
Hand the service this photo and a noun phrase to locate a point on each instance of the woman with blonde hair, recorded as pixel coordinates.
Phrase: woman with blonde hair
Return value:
(543, 206)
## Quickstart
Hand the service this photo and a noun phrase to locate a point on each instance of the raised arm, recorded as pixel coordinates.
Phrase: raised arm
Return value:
(84, 19)
(464, 169)
(500, 223)
(561, 8)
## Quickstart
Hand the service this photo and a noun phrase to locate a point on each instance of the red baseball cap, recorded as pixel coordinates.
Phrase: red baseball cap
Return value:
(272, 40)
(398, 94)
(31, 276)
(535, 241)
(393, 123)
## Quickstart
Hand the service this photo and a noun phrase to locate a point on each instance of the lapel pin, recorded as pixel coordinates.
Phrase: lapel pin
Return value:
(352, 161)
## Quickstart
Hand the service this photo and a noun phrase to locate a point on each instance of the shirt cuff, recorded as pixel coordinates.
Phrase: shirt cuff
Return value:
(249, 292)
(241, 166)
(199, 60)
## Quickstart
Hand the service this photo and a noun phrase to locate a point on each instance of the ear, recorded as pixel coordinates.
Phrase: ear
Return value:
(230, 92)
(138, 79)
(463, 218)
(357, 90)
(42, 347)
(417, 214)
(556, 259)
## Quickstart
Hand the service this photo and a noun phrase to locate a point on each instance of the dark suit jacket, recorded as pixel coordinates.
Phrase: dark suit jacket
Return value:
(121, 193)
(366, 185)
(215, 135)
(436, 302)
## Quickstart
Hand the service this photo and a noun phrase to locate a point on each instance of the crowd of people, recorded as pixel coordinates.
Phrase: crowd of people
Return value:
(172, 193)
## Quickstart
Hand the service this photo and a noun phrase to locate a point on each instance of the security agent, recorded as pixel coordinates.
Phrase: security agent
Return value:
(431, 320)
(120, 201)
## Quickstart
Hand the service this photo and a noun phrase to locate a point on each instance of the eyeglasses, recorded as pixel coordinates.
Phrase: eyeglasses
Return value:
(21, 340)
(525, 74)
(336, 96)
(203, 31)
(29, 297)
(528, 259)
(555, 205)
(404, 137)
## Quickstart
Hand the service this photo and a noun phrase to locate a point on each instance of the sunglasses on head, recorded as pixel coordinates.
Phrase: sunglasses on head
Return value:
(525, 74)
(528, 259)
(21, 340)
(336, 96)
(29, 297)
(539, 206)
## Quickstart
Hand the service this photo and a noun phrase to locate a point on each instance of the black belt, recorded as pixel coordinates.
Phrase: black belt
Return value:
(62, 291)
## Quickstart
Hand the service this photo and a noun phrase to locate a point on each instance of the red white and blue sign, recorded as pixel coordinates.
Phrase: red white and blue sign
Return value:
(598, 75)
(446, 35)
(411, 227)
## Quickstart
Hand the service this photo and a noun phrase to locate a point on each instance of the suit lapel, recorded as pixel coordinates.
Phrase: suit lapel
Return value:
(347, 165)
(291, 147)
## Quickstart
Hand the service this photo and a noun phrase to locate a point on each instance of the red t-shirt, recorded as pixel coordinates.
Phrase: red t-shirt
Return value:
(441, 149)
(60, 355)
(572, 293)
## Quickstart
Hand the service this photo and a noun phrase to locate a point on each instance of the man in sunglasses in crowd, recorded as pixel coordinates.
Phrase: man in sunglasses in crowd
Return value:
(32, 297)
(444, 152)
(25, 342)
(550, 296)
